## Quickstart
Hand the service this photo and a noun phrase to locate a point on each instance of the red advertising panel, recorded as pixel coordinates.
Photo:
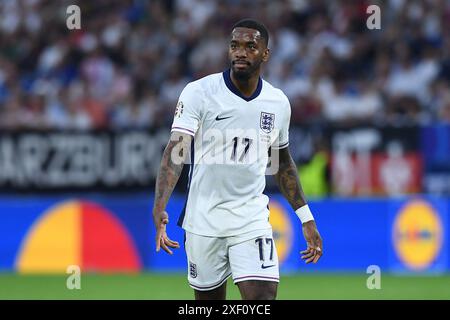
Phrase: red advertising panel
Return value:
(375, 161)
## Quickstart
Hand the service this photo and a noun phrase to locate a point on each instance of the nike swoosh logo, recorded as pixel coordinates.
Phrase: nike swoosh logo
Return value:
(223, 118)
(265, 267)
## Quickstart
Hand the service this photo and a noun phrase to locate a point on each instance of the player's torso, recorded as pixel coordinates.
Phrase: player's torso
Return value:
(230, 159)
(234, 131)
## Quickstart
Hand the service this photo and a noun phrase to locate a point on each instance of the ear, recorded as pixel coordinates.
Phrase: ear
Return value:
(266, 55)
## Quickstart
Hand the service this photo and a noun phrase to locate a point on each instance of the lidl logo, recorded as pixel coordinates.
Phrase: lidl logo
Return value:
(417, 235)
(282, 230)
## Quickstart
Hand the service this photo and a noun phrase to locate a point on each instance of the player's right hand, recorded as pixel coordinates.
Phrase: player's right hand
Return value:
(160, 219)
(313, 239)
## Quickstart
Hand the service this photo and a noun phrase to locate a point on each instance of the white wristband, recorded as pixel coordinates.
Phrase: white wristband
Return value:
(304, 214)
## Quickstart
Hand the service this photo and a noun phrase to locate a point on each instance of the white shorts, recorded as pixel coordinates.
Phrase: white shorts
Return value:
(250, 256)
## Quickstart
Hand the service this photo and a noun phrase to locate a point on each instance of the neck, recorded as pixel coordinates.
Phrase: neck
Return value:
(246, 86)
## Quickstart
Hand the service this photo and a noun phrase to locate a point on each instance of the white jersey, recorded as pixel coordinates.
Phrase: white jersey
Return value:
(229, 154)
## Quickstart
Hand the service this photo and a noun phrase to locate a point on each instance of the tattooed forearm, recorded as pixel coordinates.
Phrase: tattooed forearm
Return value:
(173, 159)
(288, 181)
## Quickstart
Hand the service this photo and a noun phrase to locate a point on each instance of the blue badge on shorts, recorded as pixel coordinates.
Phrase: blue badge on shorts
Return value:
(193, 270)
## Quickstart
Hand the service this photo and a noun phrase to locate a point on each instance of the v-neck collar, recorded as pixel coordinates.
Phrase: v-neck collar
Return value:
(230, 85)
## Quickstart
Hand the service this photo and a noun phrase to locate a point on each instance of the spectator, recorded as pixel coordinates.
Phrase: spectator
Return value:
(330, 65)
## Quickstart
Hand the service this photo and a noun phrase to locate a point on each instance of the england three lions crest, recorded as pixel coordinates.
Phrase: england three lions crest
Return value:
(267, 122)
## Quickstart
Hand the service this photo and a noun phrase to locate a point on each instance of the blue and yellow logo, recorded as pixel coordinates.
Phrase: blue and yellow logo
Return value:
(282, 230)
(417, 235)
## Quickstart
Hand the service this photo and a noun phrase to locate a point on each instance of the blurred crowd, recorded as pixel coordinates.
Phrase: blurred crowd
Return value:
(129, 62)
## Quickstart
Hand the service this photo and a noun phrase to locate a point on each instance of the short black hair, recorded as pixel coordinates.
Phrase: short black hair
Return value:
(253, 24)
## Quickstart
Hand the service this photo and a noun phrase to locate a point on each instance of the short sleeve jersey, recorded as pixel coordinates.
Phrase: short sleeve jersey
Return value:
(233, 136)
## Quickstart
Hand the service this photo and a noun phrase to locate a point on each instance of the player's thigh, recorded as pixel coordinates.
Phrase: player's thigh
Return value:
(254, 263)
(208, 266)
(258, 290)
(219, 293)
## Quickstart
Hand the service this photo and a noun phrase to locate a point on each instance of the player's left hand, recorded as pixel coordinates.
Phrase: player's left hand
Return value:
(160, 220)
(315, 249)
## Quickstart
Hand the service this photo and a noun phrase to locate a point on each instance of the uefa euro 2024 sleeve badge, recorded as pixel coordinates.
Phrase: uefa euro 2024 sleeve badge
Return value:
(267, 122)
(179, 109)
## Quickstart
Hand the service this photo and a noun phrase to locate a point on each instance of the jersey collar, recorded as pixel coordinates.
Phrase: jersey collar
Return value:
(230, 85)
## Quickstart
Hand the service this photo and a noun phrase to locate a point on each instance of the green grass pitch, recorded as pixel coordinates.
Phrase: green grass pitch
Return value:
(159, 286)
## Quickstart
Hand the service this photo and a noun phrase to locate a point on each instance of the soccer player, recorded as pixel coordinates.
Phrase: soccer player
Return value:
(227, 124)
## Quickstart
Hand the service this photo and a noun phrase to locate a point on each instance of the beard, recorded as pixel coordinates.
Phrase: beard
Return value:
(247, 73)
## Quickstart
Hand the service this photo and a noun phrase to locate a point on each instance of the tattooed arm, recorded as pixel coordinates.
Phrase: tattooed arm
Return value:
(288, 181)
(173, 159)
(289, 185)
